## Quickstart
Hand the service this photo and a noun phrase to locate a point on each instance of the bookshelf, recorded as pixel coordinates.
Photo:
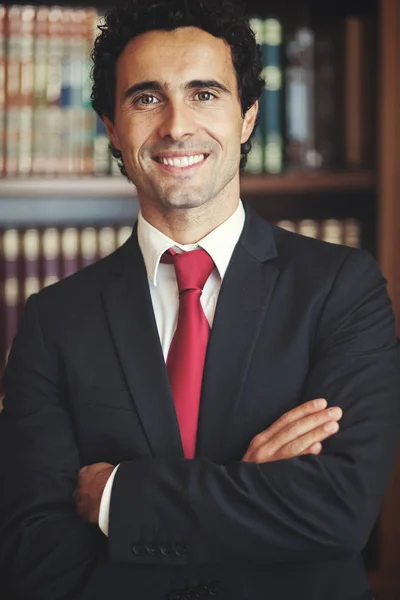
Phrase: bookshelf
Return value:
(370, 192)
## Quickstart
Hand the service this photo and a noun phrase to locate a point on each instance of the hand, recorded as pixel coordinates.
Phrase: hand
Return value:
(299, 431)
(91, 483)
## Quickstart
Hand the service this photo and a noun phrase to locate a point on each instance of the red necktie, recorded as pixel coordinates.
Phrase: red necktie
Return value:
(187, 353)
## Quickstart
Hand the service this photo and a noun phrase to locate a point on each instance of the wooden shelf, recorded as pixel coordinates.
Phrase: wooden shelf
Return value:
(310, 181)
(251, 185)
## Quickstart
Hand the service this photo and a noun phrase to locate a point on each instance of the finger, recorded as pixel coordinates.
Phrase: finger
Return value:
(311, 439)
(305, 409)
(299, 428)
(314, 449)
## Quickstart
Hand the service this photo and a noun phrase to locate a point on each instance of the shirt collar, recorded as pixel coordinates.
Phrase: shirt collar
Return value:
(219, 243)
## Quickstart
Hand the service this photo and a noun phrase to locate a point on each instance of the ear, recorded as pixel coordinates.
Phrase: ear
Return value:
(112, 134)
(249, 122)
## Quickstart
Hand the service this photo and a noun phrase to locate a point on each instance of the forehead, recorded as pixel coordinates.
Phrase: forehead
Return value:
(186, 53)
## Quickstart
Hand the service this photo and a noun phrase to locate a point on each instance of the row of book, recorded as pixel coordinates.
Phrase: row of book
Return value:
(47, 124)
(35, 258)
(317, 109)
(314, 111)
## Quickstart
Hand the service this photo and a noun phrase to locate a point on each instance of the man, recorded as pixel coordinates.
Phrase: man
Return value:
(118, 480)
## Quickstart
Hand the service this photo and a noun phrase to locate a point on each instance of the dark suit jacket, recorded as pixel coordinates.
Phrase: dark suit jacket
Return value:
(86, 382)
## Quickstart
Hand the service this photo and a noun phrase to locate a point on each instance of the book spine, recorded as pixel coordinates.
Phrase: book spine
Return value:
(31, 251)
(300, 100)
(325, 93)
(354, 100)
(26, 87)
(308, 227)
(88, 246)
(50, 256)
(41, 49)
(272, 121)
(69, 251)
(255, 161)
(67, 121)
(13, 292)
(2, 88)
(287, 225)
(107, 241)
(352, 233)
(332, 231)
(77, 111)
(12, 88)
(89, 115)
(123, 233)
(54, 115)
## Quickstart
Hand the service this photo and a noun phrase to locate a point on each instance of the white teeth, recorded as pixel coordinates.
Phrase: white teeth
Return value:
(183, 161)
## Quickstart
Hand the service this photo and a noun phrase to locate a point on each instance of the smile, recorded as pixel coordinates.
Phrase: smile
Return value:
(182, 162)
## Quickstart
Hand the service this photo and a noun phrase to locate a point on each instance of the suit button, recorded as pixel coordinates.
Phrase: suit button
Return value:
(181, 549)
(138, 549)
(152, 549)
(166, 549)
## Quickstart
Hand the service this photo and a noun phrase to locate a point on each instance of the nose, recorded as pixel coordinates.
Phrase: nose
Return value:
(178, 121)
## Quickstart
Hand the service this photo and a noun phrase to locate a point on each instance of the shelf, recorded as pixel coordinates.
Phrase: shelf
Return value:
(118, 186)
(308, 182)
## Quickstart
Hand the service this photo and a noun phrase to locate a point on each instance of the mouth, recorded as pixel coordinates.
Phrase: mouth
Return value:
(179, 164)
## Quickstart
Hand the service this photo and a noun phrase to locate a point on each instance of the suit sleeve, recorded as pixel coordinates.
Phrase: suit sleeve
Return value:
(46, 552)
(306, 508)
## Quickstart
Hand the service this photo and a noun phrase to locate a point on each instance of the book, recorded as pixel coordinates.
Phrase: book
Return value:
(50, 256)
(300, 122)
(12, 286)
(69, 251)
(2, 87)
(255, 158)
(272, 105)
(353, 68)
(88, 246)
(14, 44)
(40, 82)
(53, 125)
(31, 254)
(337, 231)
(26, 86)
(329, 106)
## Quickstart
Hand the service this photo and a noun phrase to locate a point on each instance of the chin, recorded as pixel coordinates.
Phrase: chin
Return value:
(184, 203)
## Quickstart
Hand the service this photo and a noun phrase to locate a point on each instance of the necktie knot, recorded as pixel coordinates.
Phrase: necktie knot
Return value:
(192, 268)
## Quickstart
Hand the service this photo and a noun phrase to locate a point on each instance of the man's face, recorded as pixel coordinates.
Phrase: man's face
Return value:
(178, 119)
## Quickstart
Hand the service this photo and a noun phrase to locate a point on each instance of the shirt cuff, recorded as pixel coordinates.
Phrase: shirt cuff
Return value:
(104, 512)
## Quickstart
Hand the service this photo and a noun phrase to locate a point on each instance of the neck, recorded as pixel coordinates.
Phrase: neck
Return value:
(189, 225)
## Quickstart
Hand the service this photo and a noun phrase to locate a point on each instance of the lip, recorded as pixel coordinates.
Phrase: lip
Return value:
(178, 154)
(180, 170)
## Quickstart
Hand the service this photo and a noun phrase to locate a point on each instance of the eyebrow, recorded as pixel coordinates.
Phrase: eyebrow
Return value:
(156, 86)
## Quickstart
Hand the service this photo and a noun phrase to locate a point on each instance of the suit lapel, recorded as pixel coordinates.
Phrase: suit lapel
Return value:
(242, 304)
(133, 327)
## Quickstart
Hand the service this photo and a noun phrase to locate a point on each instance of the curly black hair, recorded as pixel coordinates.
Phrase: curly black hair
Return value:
(221, 18)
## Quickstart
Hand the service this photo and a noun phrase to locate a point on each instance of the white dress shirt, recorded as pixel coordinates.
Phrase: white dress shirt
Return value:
(219, 244)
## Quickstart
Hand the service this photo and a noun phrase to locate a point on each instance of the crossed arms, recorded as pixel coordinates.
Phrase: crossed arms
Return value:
(281, 501)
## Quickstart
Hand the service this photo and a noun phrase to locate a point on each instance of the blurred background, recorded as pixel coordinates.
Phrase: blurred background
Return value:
(325, 160)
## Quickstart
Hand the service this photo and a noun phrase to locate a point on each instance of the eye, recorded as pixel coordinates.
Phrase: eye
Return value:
(205, 96)
(146, 99)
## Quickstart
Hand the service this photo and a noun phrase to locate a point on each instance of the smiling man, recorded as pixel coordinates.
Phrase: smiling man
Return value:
(213, 409)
